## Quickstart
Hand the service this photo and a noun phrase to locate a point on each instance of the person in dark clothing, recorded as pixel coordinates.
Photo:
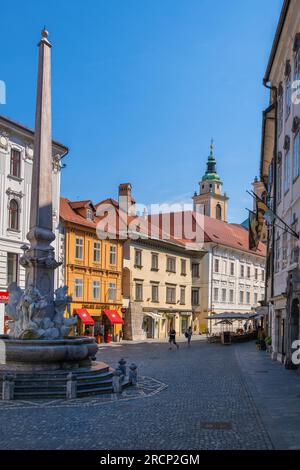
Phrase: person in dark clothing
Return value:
(188, 335)
(172, 338)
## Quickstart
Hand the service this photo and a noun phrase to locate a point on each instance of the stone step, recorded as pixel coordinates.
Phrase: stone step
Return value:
(95, 391)
(91, 386)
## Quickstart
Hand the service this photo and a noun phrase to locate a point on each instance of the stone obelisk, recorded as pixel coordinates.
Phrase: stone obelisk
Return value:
(39, 259)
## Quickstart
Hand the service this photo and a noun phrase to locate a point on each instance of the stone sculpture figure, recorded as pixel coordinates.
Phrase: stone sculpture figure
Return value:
(28, 309)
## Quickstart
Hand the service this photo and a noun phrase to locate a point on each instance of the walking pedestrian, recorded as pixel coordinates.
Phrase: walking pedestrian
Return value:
(188, 335)
(172, 338)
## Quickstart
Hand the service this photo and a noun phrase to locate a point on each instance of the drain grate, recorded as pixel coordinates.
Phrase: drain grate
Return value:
(223, 426)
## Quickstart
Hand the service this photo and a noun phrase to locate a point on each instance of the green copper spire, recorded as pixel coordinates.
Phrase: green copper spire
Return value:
(211, 172)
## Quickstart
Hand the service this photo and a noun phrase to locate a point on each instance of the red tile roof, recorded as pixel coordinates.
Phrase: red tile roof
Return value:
(168, 227)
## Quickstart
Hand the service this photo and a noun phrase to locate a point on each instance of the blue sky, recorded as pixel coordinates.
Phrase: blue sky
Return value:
(141, 86)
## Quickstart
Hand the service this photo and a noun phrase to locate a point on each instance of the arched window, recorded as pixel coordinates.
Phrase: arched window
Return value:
(219, 212)
(14, 215)
(15, 163)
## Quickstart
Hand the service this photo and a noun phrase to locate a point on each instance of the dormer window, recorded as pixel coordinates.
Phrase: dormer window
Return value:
(89, 215)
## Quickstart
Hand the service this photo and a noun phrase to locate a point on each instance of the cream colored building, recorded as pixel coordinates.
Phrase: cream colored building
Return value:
(280, 171)
(157, 284)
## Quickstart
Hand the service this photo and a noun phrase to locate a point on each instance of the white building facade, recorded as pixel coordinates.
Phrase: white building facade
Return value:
(280, 171)
(16, 157)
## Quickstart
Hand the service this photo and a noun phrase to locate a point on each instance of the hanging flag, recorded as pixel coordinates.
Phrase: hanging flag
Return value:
(253, 234)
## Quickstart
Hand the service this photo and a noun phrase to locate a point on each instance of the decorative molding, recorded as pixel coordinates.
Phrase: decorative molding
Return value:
(29, 152)
(3, 141)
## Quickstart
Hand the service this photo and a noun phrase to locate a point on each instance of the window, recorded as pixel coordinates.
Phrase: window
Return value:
(171, 295)
(97, 252)
(112, 255)
(218, 212)
(280, 109)
(96, 290)
(279, 179)
(284, 250)
(255, 298)
(216, 294)
(171, 265)
(217, 265)
(248, 272)
(15, 163)
(195, 296)
(79, 248)
(288, 95)
(287, 171)
(248, 298)
(277, 253)
(138, 258)
(224, 295)
(256, 274)
(263, 275)
(231, 294)
(196, 270)
(89, 214)
(112, 291)
(232, 269)
(297, 66)
(242, 271)
(241, 297)
(14, 215)
(224, 267)
(183, 267)
(12, 268)
(154, 292)
(154, 262)
(78, 291)
(182, 295)
(296, 156)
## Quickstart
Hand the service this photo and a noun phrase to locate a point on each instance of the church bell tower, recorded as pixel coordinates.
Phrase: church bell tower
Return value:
(210, 200)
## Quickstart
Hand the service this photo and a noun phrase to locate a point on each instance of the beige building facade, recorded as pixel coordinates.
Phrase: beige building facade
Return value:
(157, 284)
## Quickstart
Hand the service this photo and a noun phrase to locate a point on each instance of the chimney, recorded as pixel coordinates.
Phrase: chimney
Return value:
(126, 201)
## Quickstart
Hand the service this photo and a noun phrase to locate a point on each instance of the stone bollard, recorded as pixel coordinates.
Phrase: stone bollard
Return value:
(8, 387)
(122, 366)
(117, 381)
(133, 374)
(71, 387)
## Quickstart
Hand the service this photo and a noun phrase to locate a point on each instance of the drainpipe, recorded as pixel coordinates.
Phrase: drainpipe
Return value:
(273, 89)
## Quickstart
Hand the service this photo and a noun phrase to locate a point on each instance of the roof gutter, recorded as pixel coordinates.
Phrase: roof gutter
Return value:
(281, 23)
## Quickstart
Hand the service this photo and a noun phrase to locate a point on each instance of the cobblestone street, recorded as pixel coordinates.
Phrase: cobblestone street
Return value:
(205, 397)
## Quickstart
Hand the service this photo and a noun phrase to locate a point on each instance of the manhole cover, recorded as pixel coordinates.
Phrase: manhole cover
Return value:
(216, 425)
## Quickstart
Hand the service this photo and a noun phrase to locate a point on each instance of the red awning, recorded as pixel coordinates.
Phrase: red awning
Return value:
(84, 316)
(114, 317)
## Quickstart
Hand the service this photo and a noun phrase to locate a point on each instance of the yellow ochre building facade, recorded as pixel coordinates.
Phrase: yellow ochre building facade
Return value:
(92, 268)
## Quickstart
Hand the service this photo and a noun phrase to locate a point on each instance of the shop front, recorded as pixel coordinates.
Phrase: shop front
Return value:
(112, 324)
(85, 323)
(151, 325)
